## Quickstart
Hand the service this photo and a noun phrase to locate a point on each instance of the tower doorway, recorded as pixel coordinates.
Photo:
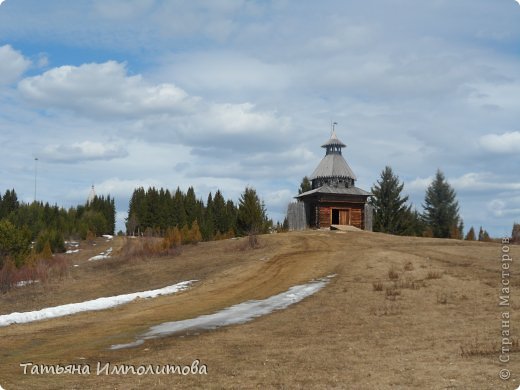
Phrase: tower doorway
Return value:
(340, 217)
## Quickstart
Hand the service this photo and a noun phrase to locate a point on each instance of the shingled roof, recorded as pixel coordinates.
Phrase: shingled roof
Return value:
(333, 140)
(333, 165)
(327, 189)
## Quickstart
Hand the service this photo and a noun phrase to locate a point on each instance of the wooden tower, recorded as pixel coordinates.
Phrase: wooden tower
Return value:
(334, 199)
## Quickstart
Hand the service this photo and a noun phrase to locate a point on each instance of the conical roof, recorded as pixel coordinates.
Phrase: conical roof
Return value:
(333, 140)
(333, 165)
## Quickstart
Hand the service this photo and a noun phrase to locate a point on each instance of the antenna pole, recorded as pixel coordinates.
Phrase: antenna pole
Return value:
(35, 175)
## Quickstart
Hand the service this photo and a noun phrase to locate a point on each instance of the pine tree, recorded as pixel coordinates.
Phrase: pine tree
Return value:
(9, 203)
(305, 185)
(471, 234)
(220, 218)
(190, 206)
(515, 234)
(231, 216)
(483, 235)
(14, 243)
(414, 224)
(207, 226)
(137, 210)
(391, 213)
(441, 209)
(252, 217)
(179, 210)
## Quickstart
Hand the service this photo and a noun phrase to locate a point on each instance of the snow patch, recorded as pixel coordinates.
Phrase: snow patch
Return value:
(72, 251)
(92, 305)
(237, 314)
(25, 283)
(103, 255)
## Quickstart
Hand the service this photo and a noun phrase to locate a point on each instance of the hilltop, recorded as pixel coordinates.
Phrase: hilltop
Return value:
(400, 312)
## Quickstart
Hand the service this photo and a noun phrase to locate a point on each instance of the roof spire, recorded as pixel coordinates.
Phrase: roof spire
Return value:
(333, 130)
(333, 145)
(91, 195)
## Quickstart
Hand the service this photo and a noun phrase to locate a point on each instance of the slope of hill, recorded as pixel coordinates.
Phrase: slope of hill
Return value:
(401, 312)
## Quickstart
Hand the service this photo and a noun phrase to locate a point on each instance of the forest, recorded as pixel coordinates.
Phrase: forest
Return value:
(151, 212)
(26, 229)
(29, 232)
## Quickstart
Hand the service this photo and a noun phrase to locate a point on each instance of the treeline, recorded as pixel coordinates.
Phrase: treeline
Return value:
(153, 212)
(47, 226)
(440, 217)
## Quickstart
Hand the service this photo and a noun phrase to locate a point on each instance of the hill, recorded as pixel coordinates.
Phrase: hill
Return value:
(400, 312)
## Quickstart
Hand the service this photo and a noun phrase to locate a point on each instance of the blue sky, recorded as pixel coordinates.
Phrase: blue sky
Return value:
(224, 94)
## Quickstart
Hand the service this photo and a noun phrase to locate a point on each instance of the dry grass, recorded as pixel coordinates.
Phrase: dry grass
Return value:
(410, 283)
(478, 347)
(409, 342)
(393, 274)
(434, 274)
(392, 292)
(388, 309)
(442, 298)
(408, 266)
(39, 270)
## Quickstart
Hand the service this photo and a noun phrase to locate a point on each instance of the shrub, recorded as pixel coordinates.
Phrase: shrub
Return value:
(433, 274)
(15, 243)
(172, 238)
(392, 293)
(51, 237)
(408, 266)
(393, 274)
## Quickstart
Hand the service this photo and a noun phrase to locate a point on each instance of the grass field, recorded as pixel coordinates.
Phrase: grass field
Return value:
(401, 313)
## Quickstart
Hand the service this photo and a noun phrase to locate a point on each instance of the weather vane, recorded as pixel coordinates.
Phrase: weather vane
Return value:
(333, 124)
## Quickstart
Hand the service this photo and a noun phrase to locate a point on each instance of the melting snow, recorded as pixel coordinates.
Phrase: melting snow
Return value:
(72, 251)
(237, 314)
(95, 304)
(103, 255)
(25, 283)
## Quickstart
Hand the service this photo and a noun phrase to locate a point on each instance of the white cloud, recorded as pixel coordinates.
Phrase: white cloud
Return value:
(469, 182)
(419, 184)
(240, 118)
(12, 64)
(224, 70)
(83, 151)
(103, 90)
(501, 143)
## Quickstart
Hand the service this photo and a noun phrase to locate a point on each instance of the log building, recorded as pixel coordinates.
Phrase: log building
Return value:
(334, 199)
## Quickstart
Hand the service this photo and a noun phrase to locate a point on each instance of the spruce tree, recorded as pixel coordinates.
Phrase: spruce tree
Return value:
(220, 218)
(179, 210)
(471, 235)
(252, 216)
(483, 235)
(190, 206)
(391, 213)
(441, 209)
(305, 185)
(515, 234)
(9, 203)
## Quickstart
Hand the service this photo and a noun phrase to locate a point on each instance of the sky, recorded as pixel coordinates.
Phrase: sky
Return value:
(225, 94)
